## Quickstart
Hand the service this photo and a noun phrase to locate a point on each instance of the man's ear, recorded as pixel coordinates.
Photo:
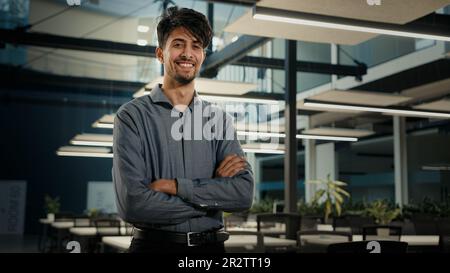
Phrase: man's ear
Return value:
(160, 54)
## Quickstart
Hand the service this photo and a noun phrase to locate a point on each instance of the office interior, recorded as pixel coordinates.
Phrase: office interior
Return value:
(343, 108)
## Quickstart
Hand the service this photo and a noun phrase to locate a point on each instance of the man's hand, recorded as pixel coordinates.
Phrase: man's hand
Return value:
(230, 166)
(168, 186)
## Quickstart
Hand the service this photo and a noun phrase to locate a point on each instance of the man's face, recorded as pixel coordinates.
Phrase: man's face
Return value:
(182, 56)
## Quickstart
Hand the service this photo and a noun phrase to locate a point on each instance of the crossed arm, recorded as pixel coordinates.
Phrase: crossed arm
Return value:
(229, 167)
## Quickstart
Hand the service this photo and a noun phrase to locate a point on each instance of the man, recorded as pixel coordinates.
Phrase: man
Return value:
(174, 187)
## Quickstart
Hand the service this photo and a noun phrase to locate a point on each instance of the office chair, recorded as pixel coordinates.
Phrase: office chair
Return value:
(341, 224)
(104, 227)
(310, 222)
(358, 221)
(291, 223)
(82, 221)
(424, 224)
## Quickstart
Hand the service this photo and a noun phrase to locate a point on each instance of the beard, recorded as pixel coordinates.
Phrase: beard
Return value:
(184, 79)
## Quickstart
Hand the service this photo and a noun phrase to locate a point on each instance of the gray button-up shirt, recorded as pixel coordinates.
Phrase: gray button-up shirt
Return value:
(151, 142)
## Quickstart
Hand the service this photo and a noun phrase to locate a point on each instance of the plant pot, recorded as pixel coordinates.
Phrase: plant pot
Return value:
(51, 217)
(383, 232)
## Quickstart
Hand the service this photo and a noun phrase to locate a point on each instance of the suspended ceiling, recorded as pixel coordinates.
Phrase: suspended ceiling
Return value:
(330, 131)
(390, 11)
(208, 86)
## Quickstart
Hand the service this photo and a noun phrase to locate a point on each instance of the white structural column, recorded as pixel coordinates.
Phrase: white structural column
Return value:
(334, 60)
(400, 161)
(326, 164)
(310, 164)
(326, 161)
(255, 163)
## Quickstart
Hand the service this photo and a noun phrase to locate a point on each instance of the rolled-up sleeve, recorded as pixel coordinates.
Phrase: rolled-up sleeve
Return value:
(225, 193)
(135, 201)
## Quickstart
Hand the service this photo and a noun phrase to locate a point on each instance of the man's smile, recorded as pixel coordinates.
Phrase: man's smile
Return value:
(185, 64)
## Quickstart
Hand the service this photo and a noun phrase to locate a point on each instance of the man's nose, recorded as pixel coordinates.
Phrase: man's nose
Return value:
(187, 53)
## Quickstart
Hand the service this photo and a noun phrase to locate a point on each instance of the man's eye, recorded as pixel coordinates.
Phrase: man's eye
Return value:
(177, 45)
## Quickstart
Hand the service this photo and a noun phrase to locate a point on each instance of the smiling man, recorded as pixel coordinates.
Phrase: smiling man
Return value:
(171, 186)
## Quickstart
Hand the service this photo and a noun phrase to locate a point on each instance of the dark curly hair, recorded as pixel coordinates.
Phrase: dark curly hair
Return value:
(195, 22)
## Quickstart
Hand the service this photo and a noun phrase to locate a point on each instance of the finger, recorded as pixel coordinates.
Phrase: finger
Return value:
(234, 172)
(232, 162)
(231, 170)
(225, 161)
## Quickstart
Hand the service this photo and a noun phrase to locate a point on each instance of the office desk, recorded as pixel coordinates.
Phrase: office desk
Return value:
(121, 243)
(271, 244)
(412, 240)
(86, 235)
(62, 224)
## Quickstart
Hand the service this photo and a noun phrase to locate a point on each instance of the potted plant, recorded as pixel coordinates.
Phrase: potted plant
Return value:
(333, 193)
(52, 206)
(382, 212)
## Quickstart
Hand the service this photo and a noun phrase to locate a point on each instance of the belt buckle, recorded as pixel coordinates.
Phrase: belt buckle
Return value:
(189, 238)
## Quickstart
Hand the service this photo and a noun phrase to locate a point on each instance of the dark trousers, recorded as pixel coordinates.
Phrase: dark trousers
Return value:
(146, 246)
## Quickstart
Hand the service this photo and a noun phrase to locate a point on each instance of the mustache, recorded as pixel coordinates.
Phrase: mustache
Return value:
(185, 59)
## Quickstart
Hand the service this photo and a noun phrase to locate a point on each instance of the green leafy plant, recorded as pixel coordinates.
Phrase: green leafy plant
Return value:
(305, 208)
(383, 212)
(264, 205)
(427, 207)
(333, 193)
(52, 205)
(351, 207)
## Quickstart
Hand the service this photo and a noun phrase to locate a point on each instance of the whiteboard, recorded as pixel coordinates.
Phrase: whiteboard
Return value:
(100, 195)
(12, 206)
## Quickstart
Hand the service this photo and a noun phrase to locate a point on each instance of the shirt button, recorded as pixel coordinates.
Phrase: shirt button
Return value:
(181, 114)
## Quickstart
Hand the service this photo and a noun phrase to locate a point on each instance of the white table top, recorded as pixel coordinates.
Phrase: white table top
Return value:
(62, 225)
(413, 240)
(245, 240)
(119, 242)
(92, 231)
(323, 227)
(45, 221)
(271, 230)
(276, 229)
(123, 242)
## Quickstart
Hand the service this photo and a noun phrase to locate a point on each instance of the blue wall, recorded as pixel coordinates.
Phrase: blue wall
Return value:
(31, 132)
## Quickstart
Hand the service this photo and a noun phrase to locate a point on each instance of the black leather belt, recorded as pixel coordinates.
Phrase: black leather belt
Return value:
(189, 238)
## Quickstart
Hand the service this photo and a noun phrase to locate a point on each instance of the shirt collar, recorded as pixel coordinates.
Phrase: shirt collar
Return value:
(157, 95)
